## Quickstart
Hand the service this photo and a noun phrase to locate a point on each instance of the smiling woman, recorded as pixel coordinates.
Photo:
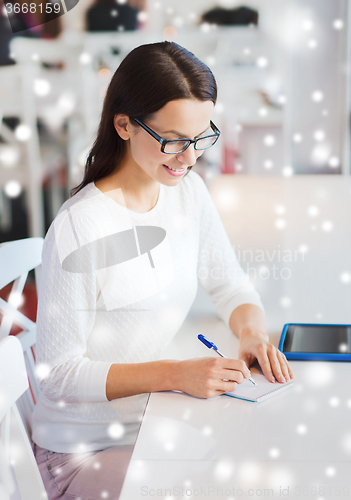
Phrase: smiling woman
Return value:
(150, 80)
(121, 265)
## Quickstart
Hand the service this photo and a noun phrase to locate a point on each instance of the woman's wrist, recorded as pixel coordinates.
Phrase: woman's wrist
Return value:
(172, 370)
(169, 370)
(253, 332)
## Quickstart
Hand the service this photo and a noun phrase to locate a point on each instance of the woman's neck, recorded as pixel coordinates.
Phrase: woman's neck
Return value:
(131, 188)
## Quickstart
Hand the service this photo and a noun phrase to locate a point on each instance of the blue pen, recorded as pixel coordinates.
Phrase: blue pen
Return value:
(211, 345)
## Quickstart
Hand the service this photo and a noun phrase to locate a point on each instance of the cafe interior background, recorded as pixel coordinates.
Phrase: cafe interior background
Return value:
(280, 172)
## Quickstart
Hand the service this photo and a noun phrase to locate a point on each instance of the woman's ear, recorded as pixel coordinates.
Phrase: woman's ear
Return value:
(122, 126)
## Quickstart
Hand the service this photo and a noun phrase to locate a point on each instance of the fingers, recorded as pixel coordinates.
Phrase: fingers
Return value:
(284, 366)
(265, 364)
(219, 387)
(285, 370)
(228, 386)
(274, 364)
(231, 376)
(226, 378)
(209, 377)
(236, 365)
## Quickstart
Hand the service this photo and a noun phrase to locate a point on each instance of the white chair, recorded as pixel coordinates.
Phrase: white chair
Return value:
(6, 482)
(17, 448)
(17, 258)
(18, 385)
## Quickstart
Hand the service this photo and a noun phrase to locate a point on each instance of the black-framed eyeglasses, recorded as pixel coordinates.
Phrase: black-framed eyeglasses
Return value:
(173, 146)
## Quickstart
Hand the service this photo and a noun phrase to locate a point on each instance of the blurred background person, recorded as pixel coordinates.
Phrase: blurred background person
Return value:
(240, 16)
(15, 24)
(107, 15)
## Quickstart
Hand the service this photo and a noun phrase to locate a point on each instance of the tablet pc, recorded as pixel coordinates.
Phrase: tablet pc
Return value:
(316, 341)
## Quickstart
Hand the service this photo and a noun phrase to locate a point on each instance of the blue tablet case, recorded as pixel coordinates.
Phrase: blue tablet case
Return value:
(311, 355)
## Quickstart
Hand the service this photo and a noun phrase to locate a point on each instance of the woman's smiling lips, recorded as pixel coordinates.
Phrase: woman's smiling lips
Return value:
(175, 174)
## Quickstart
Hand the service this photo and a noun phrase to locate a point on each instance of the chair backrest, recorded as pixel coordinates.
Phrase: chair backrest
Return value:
(6, 482)
(17, 258)
(17, 450)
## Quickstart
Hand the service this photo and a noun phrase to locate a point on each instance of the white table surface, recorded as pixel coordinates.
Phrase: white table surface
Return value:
(295, 445)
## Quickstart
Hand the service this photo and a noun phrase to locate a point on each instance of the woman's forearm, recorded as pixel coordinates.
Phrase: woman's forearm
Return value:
(137, 378)
(199, 377)
(194, 376)
(248, 318)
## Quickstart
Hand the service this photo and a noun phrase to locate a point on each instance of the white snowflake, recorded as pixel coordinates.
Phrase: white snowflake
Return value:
(287, 171)
(319, 135)
(42, 370)
(280, 223)
(280, 209)
(297, 137)
(207, 430)
(303, 248)
(223, 470)
(334, 161)
(327, 226)
(317, 96)
(116, 430)
(262, 62)
(313, 211)
(345, 277)
(312, 44)
(23, 132)
(307, 25)
(338, 24)
(330, 471)
(285, 302)
(269, 140)
(301, 429)
(274, 453)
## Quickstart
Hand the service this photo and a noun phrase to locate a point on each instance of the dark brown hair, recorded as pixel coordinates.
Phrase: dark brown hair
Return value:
(148, 78)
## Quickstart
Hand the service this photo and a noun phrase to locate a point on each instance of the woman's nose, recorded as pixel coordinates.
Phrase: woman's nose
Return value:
(189, 156)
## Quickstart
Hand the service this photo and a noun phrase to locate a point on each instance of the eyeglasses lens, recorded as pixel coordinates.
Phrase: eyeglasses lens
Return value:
(176, 146)
(206, 142)
(180, 146)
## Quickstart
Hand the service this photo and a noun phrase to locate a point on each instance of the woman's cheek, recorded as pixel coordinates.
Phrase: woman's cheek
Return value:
(144, 153)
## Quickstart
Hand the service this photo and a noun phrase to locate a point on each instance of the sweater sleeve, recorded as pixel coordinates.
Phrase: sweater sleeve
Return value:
(66, 314)
(219, 272)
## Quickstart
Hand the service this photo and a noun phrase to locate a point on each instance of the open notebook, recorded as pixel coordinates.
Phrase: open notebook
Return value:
(261, 392)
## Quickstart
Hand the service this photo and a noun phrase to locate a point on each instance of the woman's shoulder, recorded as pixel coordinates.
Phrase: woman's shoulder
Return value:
(88, 216)
(84, 202)
(81, 221)
(75, 215)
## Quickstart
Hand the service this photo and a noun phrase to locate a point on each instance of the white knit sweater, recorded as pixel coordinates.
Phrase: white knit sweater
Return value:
(100, 302)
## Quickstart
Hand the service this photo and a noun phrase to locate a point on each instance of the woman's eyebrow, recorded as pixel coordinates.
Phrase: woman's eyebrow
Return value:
(182, 135)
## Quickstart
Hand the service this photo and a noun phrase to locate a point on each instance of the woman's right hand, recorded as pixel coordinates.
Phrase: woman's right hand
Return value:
(209, 377)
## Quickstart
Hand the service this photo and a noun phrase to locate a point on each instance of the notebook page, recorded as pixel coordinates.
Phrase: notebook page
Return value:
(262, 391)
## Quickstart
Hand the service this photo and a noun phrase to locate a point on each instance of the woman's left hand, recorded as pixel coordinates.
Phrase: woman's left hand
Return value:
(274, 364)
